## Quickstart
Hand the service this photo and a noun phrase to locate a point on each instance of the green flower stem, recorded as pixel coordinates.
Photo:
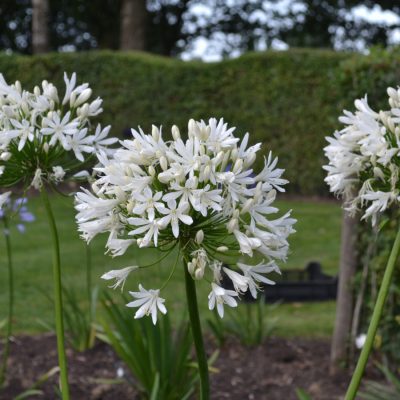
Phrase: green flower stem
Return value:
(376, 315)
(197, 335)
(57, 296)
(3, 368)
(89, 279)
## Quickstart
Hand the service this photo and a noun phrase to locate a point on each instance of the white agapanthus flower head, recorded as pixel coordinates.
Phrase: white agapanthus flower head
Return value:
(364, 158)
(44, 137)
(201, 195)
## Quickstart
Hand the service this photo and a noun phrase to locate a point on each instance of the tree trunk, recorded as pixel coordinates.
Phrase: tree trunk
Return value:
(344, 303)
(40, 28)
(133, 25)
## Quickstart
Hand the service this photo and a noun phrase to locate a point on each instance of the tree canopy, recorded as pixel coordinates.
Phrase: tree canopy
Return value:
(232, 26)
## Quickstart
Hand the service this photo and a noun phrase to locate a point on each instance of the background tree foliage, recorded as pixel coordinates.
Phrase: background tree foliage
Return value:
(172, 26)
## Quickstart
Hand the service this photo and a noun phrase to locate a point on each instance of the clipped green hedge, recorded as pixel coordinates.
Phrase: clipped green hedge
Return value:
(288, 100)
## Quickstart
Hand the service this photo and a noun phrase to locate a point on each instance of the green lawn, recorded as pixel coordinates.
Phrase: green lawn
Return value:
(317, 239)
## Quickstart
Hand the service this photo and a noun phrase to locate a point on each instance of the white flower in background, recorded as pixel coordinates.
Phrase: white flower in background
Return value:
(120, 276)
(58, 174)
(148, 302)
(364, 158)
(360, 340)
(38, 132)
(3, 198)
(200, 195)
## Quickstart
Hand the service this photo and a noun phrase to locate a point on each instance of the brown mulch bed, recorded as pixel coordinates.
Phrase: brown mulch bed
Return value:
(271, 371)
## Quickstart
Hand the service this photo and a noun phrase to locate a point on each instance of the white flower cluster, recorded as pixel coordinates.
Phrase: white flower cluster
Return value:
(200, 194)
(39, 129)
(364, 161)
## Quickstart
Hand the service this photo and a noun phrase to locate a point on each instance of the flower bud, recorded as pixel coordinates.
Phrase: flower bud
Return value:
(18, 86)
(191, 127)
(72, 99)
(206, 173)
(152, 171)
(392, 93)
(175, 132)
(198, 274)
(36, 91)
(219, 157)
(95, 107)
(83, 97)
(250, 160)
(237, 166)
(155, 133)
(53, 93)
(163, 163)
(225, 160)
(222, 249)
(199, 236)
(83, 111)
(5, 156)
(234, 154)
(46, 147)
(190, 267)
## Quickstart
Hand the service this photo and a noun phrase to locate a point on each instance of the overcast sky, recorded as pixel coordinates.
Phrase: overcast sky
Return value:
(211, 50)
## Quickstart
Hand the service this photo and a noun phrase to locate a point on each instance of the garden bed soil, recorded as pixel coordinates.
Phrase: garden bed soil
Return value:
(271, 371)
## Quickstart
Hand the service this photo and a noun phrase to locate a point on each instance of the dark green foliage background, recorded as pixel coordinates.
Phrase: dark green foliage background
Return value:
(288, 100)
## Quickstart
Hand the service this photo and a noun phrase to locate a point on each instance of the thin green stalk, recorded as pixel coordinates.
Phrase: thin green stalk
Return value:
(89, 279)
(376, 315)
(10, 317)
(57, 296)
(197, 335)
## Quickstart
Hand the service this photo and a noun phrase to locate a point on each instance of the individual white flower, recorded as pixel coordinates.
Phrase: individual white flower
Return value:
(24, 130)
(151, 227)
(120, 276)
(220, 296)
(79, 143)
(58, 128)
(254, 274)
(173, 214)
(118, 247)
(101, 141)
(148, 302)
(149, 202)
(240, 282)
(247, 244)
